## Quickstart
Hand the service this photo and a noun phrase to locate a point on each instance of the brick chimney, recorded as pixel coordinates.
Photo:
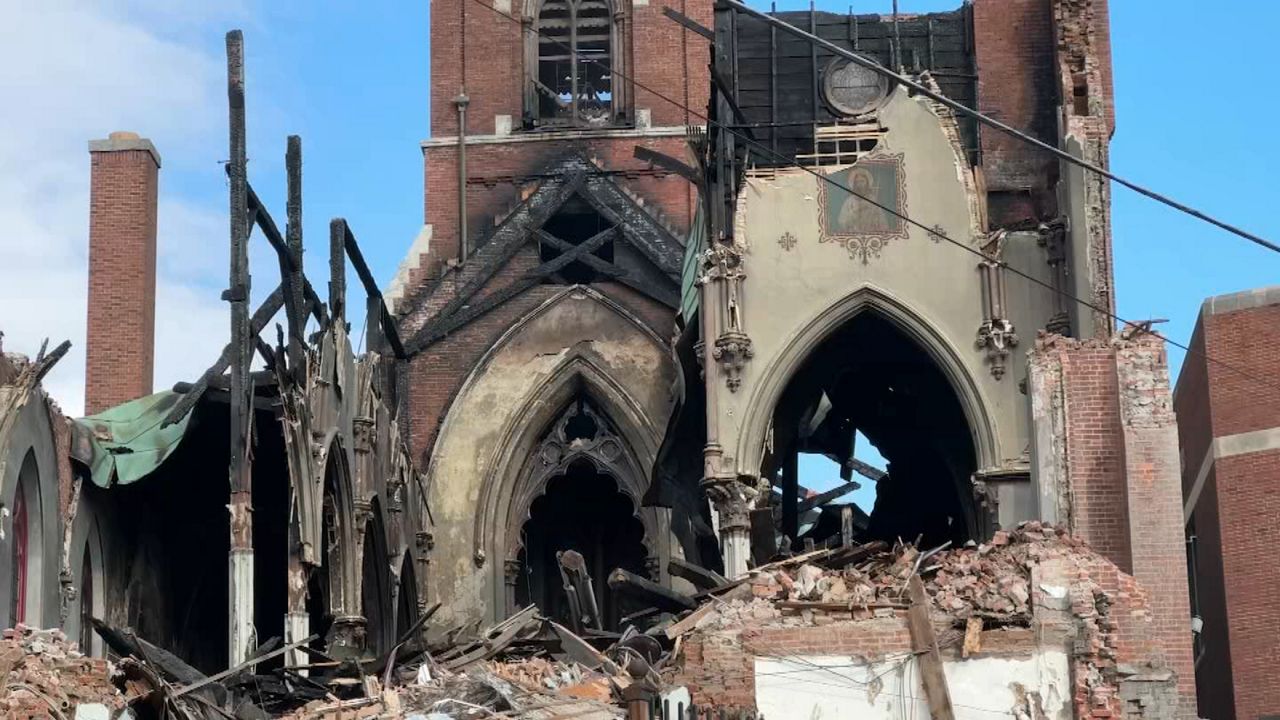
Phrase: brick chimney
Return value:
(120, 347)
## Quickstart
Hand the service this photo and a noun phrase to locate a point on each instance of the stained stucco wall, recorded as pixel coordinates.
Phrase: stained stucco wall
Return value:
(576, 337)
(802, 282)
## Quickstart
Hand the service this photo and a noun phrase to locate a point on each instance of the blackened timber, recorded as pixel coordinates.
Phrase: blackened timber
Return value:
(44, 363)
(578, 586)
(666, 162)
(689, 23)
(702, 578)
(495, 257)
(445, 325)
(291, 260)
(823, 498)
(261, 317)
(667, 296)
(259, 215)
(387, 323)
(867, 471)
(925, 643)
(337, 269)
(649, 592)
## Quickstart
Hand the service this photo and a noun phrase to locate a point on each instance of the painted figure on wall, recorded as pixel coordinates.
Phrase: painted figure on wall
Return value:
(865, 205)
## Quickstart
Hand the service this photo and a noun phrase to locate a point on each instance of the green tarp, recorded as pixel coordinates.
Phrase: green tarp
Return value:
(693, 247)
(126, 441)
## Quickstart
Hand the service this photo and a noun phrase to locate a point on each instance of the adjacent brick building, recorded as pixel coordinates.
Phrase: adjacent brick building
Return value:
(1228, 405)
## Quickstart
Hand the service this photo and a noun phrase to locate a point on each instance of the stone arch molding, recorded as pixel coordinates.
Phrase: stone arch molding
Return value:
(796, 349)
(515, 482)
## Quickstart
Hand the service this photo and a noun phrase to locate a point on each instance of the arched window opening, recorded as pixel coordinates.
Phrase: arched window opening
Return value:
(86, 602)
(574, 83)
(870, 436)
(583, 511)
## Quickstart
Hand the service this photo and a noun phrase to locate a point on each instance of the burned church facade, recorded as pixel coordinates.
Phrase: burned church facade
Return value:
(666, 256)
(641, 295)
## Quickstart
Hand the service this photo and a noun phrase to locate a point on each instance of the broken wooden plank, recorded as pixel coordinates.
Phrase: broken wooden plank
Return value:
(649, 592)
(843, 557)
(237, 668)
(972, 637)
(820, 499)
(702, 578)
(925, 643)
(580, 651)
(689, 621)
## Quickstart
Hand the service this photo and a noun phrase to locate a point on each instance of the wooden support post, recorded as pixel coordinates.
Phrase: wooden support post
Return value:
(925, 643)
(291, 272)
(791, 496)
(337, 269)
(846, 526)
(240, 619)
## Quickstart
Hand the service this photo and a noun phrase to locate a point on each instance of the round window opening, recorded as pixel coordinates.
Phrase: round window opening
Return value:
(852, 89)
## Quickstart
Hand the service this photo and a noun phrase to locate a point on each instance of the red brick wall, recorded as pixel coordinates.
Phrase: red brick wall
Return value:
(1013, 42)
(1235, 517)
(719, 667)
(1123, 476)
(122, 277)
(662, 56)
(1095, 452)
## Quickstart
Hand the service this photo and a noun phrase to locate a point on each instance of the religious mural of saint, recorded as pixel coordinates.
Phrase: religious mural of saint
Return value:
(860, 201)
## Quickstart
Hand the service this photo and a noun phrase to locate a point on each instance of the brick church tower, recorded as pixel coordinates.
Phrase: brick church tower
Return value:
(538, 301)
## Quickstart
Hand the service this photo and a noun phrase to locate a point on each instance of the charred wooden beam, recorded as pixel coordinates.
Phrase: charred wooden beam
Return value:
(578, 586)
(649, 592)
(446, 324)
(291, 261)
(337, 269)
(666, 295)
(702, 578)
(261, 317)
(259, 215)
(689, 23)
(846, 556)
(869, 472)
(820, 499)
(240, 468)
(666, 162)
(388, 323)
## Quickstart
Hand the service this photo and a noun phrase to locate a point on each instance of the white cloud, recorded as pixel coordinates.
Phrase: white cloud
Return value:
(75, 71)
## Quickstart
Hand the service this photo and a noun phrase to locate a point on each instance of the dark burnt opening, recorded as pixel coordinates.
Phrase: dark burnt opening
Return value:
(582, 510)
(375, 588)
(869, 377)
(573, 224)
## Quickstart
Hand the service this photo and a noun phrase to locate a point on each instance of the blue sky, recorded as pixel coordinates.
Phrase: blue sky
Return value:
(1194, 121)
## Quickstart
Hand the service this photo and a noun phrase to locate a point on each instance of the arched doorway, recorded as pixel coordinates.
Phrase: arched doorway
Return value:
(406, 597)
(575, 502)
(870, 380)
(328, 583)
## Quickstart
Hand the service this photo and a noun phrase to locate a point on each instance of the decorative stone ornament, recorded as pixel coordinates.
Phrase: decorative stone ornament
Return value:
(732, 351)
(852, 89)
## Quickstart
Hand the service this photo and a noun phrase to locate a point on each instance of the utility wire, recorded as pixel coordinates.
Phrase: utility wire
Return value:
(935, 233)
(992, 122)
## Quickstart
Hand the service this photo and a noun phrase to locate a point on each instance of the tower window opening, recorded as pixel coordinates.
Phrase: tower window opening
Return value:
(573, 84)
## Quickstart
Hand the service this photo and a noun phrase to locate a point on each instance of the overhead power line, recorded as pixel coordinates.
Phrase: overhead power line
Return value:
(936, 233)
(992, 122)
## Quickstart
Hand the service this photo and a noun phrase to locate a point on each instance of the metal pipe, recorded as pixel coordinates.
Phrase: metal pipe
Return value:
(462, 101)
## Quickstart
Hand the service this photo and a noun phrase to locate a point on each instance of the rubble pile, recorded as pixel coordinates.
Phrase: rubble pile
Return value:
(991, 581)
(44, 675)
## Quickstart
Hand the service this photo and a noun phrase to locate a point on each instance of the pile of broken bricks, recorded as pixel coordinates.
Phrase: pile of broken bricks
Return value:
(42, 674)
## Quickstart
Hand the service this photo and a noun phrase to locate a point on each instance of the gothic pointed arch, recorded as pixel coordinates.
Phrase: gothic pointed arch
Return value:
(375, 582)
(767, 391)
(541, 445)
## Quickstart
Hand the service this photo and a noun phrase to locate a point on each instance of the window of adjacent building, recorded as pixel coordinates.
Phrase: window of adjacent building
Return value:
(573, 83)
